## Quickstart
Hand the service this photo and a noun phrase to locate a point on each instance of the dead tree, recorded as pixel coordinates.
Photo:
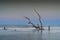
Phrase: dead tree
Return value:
(39, 19)
(37, 27)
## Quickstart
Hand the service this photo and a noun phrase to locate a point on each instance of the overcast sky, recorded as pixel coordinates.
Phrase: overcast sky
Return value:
(13, 12)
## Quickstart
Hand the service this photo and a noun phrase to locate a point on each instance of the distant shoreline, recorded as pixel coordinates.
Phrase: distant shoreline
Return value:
(18, 28)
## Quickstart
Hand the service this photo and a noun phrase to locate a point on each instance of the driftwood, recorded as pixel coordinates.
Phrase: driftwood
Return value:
(49, 27)
(39, 19)
(4, 28)
(37, 27)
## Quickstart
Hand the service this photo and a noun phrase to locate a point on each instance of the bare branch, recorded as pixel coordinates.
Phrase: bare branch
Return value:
(39, 18)
(31, 22)
(28, 19)
(37, 14)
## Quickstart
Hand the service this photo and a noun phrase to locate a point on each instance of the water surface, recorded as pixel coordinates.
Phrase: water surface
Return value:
(29, 35)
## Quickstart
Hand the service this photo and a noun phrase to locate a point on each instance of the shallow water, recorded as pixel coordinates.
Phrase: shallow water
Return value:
(29, 35)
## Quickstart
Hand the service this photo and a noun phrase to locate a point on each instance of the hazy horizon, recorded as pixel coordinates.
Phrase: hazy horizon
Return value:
(13, 12)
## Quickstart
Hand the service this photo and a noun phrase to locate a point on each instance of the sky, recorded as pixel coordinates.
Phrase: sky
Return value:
(13, 12)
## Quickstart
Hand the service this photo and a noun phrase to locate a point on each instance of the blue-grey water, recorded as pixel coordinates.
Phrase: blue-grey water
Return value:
(29, 35)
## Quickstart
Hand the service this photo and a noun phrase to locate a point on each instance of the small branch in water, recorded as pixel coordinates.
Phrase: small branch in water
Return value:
(5, 28)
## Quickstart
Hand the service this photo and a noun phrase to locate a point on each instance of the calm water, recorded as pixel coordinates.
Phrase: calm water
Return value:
(29, 35)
